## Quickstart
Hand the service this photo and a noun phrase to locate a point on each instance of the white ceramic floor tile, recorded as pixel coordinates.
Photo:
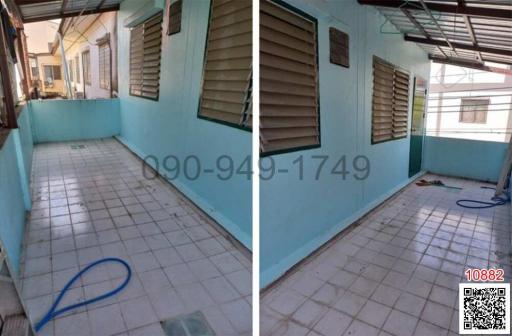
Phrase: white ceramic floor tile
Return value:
(397, 272)
(94, 202)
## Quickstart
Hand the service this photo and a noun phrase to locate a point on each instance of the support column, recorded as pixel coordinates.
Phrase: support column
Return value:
(6, 81)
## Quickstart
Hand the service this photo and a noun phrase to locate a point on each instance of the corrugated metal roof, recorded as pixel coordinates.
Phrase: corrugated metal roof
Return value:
(32, 10)
(478, 31)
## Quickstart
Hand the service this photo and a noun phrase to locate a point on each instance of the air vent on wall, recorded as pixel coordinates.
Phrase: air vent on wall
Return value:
(174, 26)
(339, 47)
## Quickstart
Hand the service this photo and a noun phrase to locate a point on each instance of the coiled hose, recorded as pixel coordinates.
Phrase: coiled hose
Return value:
(497, 201)
(52, 313)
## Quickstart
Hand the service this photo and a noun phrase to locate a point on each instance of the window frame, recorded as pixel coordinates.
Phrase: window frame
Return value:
(59, 72)
(52, 69)
(71, 69)
(34, 74)
(474, 112)
(313, 19)
(87, 74)
(395, 67)
(77, 69)
(106, 45)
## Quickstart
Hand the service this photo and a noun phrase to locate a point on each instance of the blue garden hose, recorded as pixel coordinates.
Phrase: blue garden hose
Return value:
(52, 313)
(497, 201)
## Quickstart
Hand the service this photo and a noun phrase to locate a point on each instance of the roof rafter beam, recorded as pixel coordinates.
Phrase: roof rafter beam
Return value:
(64, 5)
(443, 8)
(471, 32)
(469, 27)
(469, 64)
(71, 14)
(420, 27)
(458, 45)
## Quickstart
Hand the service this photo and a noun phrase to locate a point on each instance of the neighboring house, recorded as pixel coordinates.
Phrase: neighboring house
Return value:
(46, 68)
(467, 103)
(90, 44)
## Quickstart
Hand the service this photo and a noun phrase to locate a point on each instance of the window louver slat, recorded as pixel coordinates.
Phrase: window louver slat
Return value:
(104, 65)
(390, 102)
(145, 57)
(86, 63)
(227, 72)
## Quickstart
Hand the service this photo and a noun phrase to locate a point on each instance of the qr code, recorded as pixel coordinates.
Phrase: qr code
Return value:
(484, 308)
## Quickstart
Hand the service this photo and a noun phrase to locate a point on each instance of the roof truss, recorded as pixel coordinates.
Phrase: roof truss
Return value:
(41, 10)
(454, 30)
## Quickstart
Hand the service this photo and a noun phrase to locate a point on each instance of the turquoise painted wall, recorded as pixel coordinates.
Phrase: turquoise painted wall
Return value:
(170, 126)
(15, 157)
(67, 120)
(481, 160)
(298, 216)
(27, 141)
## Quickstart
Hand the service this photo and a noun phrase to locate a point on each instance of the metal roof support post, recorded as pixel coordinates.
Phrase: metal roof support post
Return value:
(23, 64)
(69, 93)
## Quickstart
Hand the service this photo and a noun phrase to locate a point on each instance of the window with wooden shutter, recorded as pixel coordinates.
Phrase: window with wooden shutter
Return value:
(145, 55)
(70, 70)
(227, 93)
(474, 110)
(390, 102)
(104, 65)
(86, 64)
(289, 111)
(77, 66)
(57, 73)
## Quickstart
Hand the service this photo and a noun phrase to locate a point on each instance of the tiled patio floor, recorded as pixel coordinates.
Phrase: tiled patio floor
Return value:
(93, 202)
(397, 273)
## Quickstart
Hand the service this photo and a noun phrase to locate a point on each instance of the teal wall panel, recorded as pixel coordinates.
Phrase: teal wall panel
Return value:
(481, 160)
(27, 141)
(298, 216)
(170, 126)
(67, 120)
(15, 159)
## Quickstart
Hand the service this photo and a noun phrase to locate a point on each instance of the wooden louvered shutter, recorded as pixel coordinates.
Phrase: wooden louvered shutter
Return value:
(86, 64)
(227, 92)
(289, 116)
(382, 104)
(104, 65)
(390, 102)
(400, 104)
(145, 55)
(77, 66)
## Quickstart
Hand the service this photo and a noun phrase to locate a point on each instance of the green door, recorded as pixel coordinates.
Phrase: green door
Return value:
(417, 126)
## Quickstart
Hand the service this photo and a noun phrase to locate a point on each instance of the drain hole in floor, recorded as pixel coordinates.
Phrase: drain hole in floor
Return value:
(193, 324)
(77, 146)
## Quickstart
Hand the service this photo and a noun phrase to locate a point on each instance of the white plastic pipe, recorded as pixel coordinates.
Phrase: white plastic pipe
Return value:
(70, 93)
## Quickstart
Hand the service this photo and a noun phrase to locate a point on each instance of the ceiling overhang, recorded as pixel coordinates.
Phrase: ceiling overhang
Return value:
(42, 10)
(460, 32)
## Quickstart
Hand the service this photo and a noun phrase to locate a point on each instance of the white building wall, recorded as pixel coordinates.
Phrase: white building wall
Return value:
(449, 84)
(106, 23)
